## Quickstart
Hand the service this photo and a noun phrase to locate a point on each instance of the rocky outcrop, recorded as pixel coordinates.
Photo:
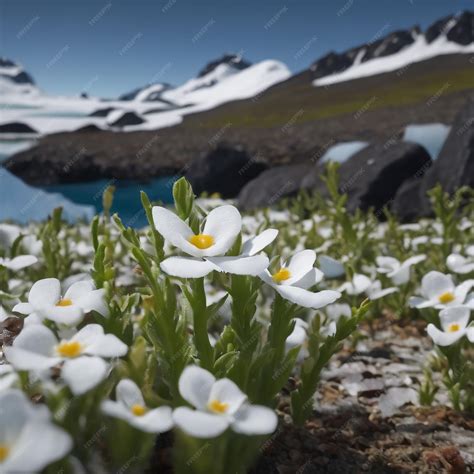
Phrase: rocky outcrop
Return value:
(234, 60)
(225, 170)
(102, 112)
(123, 119)
(453, 168)
(17, 127)
(372, 176)
(272, 185)
(457, 28)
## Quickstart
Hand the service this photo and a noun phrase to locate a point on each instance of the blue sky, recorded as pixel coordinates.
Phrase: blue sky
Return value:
(108, 47)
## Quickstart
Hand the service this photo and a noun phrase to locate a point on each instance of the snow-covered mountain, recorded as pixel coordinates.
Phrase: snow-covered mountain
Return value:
(15, 80)
(450, 35)
(227, 78)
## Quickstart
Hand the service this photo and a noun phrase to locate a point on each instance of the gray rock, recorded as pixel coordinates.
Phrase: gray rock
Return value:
(272, 185)
(225, 170)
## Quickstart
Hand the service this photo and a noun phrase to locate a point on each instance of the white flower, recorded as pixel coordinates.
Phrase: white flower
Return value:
(359, 284)
(8, 377)
(336, 310)
(292, 281)
(28, 439)
(298, 335)
(454, 321)
(207, 249)
(398, 272)
(8, 234)
(459, 264)
(331, 267)
(439, 291)
(45, 301)
(37, 349)
(375, 291)
(219, 404)
(131, 408)
(17, 263)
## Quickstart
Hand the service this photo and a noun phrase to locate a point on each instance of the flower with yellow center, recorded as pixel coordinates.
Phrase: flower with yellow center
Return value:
(138, 410)
(69, 349)
(281, 275)
(446, 297)
(454, 322)
(218, 407)
(64, 302)
(130, 407)
(4, 452)
(202, 241)
(454, 327)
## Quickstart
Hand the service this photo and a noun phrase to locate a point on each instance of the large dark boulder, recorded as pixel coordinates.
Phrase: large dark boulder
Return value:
(272, 185)
(225, 170)
(16, 127)
(124, 119)
(453, 168)
(102, 112)
(372, 176)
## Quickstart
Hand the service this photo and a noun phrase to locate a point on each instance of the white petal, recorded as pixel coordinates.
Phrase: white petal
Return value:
(158, 420)
(195, 386)
(174, 230)
(331, 267)
(313, 277)
(79, 289)
(300, 264)
(441, 338)
(23, 308)
(199, 424)
(387, 264)
(38, 339)
(459, 264)
(93, 301)
(420, 303)
(107, 345)
(434, 284)
(306, 298)
(241, 265)
(39, 444)
(128, 393)
(116, 410)
(67, 315)
(400, 276)
(45, 292)
(298, 335)
(84, 373)
(224, 223)
(414, 260)
(20, 262)
(470, 334)
(259, 242)
(89, 334)
(184, 267)
(227, 391)
(22, 359)
(255, 420)
(462, 290)
(454, 315)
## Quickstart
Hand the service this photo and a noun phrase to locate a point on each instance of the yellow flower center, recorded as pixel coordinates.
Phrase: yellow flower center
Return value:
(281, 275)
(64, 302)
(446, 297)
(202, 241)
(138, 410)
(69, 349)
(454, 327)
(218, 407)
(4, 451)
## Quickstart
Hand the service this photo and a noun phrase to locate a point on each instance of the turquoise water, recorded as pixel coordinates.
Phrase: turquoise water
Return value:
(126, 198)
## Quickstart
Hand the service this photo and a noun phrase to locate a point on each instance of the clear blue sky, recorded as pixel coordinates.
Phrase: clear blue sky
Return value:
(112, 46)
